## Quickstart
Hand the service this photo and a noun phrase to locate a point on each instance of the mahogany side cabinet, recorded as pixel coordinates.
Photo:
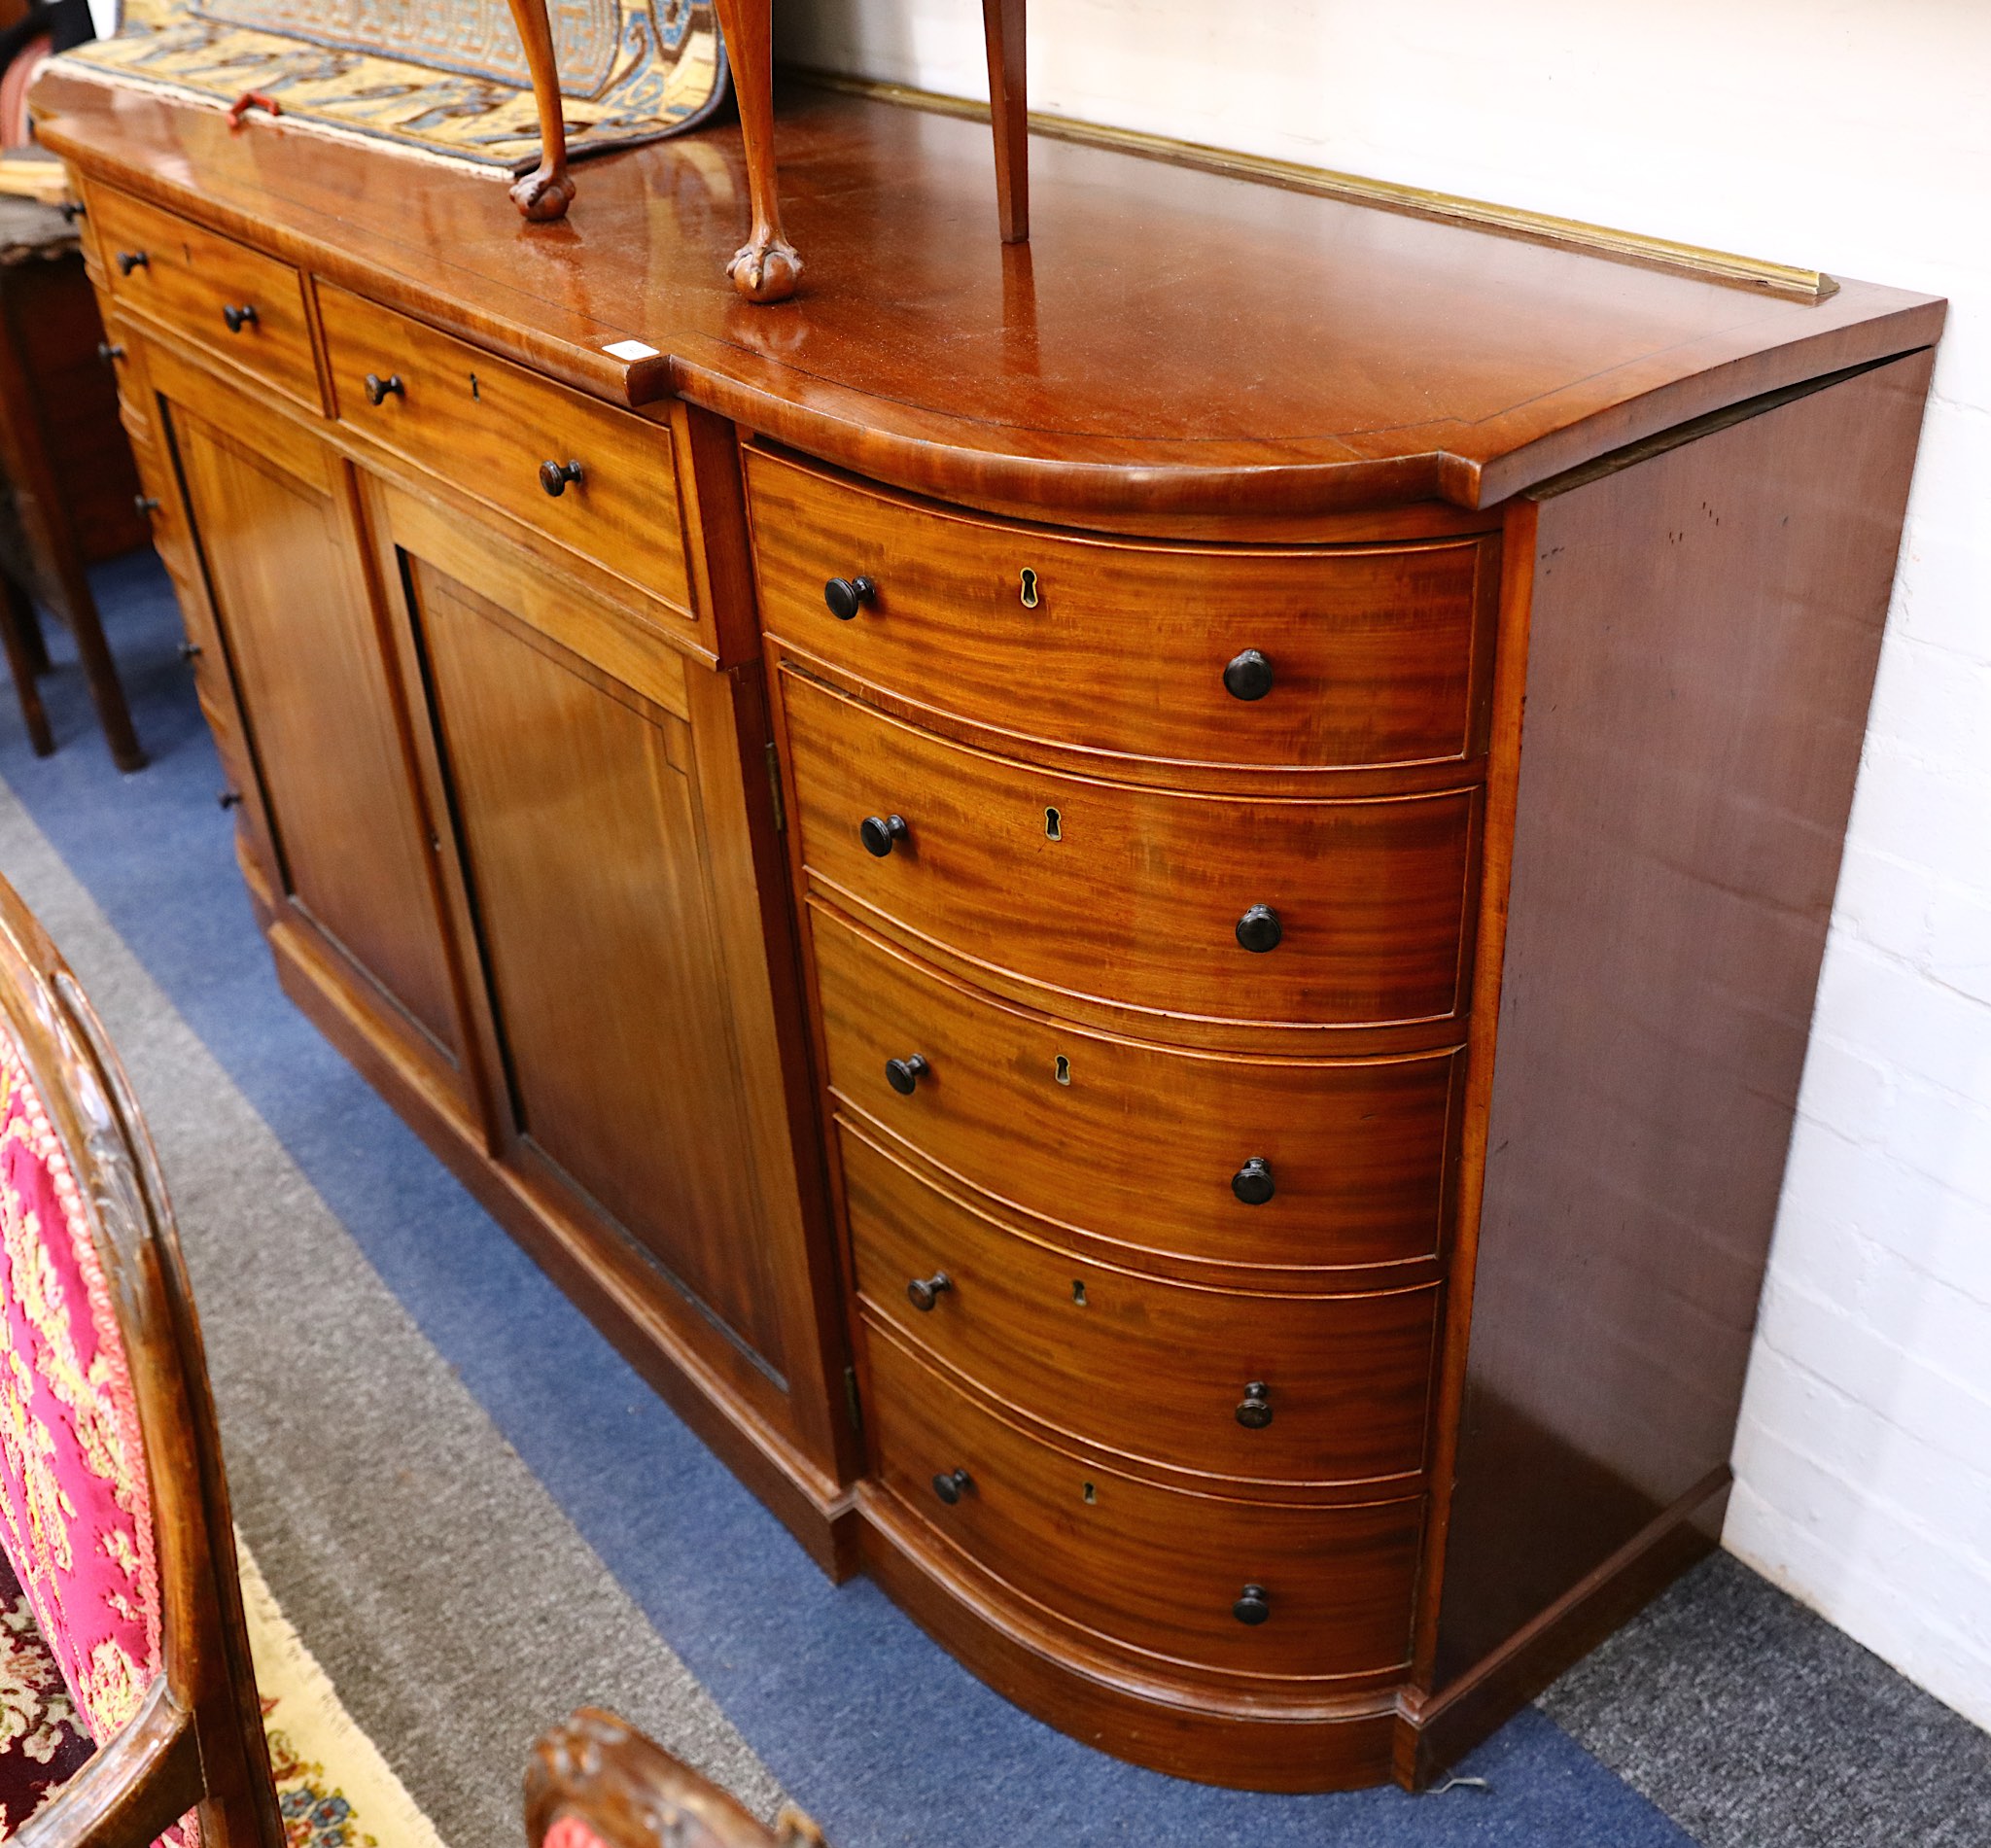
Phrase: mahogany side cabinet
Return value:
(1139, 912)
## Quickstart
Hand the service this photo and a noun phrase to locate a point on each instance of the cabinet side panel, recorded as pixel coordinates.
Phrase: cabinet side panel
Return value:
(1705, 629)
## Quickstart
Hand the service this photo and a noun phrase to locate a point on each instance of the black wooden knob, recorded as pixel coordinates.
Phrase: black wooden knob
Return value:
(190, 651)
(1253, 1183)
(110, 352)
(555, 475)
(130, 260)
(1254, 1410)
(379, 390)
(952, 1486)
(1248, 675)
(229, 798)
(1258, 930)
(846, 596)
(923, 1292)
(145, 504)
(880, 831)
(1253, 1605)
(903, 1074)
(239, 318)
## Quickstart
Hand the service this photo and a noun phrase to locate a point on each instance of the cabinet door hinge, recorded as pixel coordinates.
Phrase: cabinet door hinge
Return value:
(774, 788)
(857, 1411)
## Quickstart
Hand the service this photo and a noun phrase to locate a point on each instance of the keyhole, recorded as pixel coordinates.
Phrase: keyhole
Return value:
(1030, 588)
(1078, 1293)
(1054, 826)
(1092, 1495)
(1061, 1069)
(475, 391)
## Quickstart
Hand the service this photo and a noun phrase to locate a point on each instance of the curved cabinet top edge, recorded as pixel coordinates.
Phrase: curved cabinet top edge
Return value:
(1172, 341)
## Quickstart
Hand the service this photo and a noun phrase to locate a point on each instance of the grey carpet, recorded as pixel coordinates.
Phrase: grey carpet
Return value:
(1753, 1723)
(449, 1598)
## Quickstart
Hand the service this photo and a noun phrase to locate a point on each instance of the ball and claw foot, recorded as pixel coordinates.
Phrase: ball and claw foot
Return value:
(766, 270)
(543, 194)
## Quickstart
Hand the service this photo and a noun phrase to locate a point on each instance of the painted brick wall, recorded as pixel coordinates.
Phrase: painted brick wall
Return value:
(1853, 136)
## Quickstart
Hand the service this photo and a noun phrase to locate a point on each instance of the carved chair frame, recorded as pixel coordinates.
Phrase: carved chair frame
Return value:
(630, 1792)
(196, 1741)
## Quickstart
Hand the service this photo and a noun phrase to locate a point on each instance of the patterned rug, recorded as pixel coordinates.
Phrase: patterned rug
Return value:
(334, 1788)
(447, 80)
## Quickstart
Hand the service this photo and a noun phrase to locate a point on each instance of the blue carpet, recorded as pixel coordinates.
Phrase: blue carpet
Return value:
(870, 1726)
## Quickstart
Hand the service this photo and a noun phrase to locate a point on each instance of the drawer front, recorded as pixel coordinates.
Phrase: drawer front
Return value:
(488, 428)
(1271, 1388)
(1151, 1568)
(1138, 896)
(1376, 655)
(200, 282)
(1136, 1143)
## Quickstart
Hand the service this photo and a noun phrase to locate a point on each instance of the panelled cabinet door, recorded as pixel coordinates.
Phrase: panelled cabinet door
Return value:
(358, 894)
(564, 751)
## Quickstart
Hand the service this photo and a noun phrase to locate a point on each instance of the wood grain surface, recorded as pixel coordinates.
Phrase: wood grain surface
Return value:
(1089, 382)
(302, 644)
(1374, 652)
(1133, 896)
(490, 427)
(608, 988)
(1140, 1146)
(1146, 1567)
(1674, 863)
(189, 277)
(1154, 1368)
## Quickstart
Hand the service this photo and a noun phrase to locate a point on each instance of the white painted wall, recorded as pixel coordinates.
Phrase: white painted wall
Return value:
(1848, 135)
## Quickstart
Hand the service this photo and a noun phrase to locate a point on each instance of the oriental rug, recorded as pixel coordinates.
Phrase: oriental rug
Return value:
(334, 1788)
(448, 82)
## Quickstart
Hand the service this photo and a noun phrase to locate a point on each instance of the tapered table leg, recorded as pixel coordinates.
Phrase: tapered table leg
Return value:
(766, 268)
(54, 545)
(17, 615)
(1002, 26)
(79, 608)
(33, 636)
(547, 191)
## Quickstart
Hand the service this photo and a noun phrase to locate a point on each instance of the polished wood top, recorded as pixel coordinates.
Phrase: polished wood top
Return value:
(1170, 340)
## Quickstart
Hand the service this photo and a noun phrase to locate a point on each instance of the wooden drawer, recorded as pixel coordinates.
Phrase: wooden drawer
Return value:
(1157, 1370)
(1151, 1568)
(190, 279)
(1378, 655)
(1134, 1144)
(488, 428)
(1131, 895)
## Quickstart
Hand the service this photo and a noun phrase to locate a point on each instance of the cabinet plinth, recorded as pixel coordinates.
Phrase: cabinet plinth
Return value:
(1158, 974)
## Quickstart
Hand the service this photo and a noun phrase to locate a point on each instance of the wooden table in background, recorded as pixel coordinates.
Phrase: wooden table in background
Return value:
(72, 495)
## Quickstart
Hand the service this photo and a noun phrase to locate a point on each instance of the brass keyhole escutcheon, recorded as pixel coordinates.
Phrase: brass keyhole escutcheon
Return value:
(477, 391)
(1054, 826)
(1061, 1069)
(1030, 588)
(1078, 1292)
(1092, 1494)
